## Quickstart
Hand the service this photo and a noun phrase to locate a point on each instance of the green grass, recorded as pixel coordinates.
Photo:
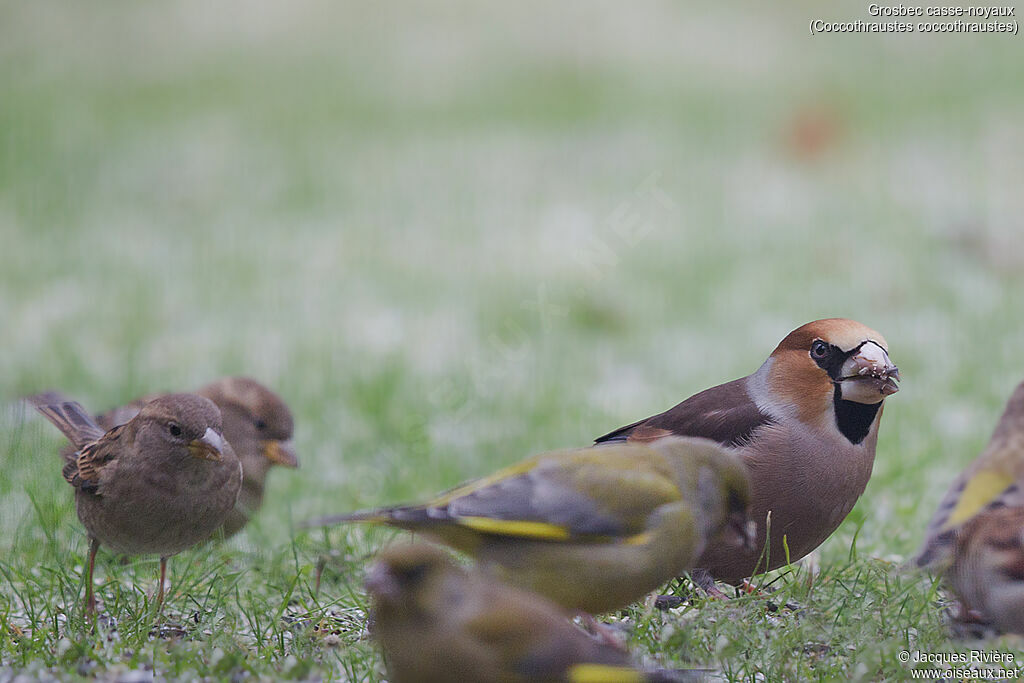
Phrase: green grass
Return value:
(454, 236)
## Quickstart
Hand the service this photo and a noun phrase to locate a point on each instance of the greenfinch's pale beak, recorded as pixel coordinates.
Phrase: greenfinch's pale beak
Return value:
(280, 453)
(744, 529)
(208, 447)
(868, 376)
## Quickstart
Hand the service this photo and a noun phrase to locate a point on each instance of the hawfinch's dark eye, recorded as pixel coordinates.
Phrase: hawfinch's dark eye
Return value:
(174, 429)
(819, 349)
(260, 424)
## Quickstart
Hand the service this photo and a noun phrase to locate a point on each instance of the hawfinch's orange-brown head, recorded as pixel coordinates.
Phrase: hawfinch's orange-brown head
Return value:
(834, 368)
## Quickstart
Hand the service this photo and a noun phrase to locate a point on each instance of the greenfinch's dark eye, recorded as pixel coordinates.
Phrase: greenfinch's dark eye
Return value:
(819, 349)
(413, 574)
(174, 429)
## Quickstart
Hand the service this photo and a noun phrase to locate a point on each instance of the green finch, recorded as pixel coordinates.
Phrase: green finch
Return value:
(592, 529)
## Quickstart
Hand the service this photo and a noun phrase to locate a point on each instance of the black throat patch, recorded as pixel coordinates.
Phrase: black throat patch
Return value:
(854, 419)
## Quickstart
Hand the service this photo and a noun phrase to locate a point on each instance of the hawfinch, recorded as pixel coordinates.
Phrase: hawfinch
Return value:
(805, 424)
(591, 529)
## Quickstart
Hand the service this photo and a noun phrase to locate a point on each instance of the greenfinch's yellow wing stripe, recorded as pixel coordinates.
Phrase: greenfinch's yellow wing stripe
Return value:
(983, 488)
(514, 527)
(602, 673)
(640, 539)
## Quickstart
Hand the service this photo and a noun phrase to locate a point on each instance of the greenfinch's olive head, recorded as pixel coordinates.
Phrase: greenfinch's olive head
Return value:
(404, 574)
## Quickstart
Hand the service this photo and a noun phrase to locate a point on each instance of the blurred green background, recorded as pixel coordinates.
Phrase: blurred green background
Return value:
(451, 235)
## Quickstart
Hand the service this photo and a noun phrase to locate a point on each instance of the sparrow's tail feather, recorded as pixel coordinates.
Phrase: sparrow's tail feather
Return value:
(70, 418)
(48, 398)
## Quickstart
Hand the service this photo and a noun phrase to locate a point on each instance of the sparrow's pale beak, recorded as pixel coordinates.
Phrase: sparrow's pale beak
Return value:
(381, 583)
(208, 447)
(280, 452)
(868, 376)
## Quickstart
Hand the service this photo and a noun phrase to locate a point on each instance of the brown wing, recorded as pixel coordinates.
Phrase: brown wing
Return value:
(725, 414)
(83, 471)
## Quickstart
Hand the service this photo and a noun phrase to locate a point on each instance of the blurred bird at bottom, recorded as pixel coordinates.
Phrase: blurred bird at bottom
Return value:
(988, 571)
(437, 621)
(592, 529)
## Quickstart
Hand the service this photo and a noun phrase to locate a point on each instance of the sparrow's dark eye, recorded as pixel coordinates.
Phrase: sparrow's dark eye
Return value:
(819, 349)
(174, 429)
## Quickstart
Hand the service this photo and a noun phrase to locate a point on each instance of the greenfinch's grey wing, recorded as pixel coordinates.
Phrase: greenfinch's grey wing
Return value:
(597, 494)
(593, 493)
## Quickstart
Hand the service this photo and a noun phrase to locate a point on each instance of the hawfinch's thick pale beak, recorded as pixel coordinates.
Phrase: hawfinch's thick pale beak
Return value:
(868, 376)
(280, 453)
(208, 447)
